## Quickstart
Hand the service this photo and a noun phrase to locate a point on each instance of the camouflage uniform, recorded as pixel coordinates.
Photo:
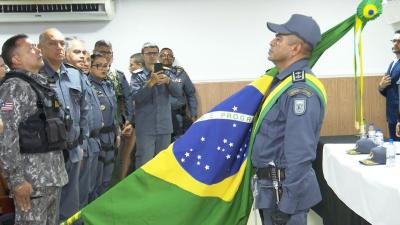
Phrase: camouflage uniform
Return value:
(44, 171)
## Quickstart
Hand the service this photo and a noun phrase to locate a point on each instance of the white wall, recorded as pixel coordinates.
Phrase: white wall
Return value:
(222, 39)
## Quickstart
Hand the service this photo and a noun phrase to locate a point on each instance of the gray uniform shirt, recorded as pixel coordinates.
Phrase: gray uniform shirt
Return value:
(18, 102)
(188, 97)
(152, 105)
(288, 136)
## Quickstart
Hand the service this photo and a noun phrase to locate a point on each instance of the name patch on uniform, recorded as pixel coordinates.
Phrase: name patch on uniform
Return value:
(296, 91)
(300, 106)
(298, 76)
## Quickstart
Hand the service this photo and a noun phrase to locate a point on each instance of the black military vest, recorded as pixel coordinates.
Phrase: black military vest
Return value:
(44, 131)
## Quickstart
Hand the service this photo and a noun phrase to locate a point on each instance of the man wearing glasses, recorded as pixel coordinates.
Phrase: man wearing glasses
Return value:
(180, 120)
(388, 87)
(151, 92)
(70, 88)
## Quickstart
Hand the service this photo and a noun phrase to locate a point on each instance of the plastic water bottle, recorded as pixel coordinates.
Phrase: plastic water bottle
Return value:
(371, 132)
(379, 137)
(390, 154)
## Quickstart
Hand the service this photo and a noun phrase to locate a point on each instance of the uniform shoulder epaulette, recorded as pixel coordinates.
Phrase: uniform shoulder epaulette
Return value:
(298, 76)
(179, 69)
(167, 68)
(137, 71)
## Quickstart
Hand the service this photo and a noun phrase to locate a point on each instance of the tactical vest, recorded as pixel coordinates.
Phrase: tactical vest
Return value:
(44, 131)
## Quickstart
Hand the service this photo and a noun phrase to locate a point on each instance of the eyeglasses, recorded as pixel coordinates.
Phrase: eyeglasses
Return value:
(151, 53)
(101, 66)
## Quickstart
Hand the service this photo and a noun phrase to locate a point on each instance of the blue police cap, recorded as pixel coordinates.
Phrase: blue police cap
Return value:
(302, 26)
(363, 146)
(377, 157)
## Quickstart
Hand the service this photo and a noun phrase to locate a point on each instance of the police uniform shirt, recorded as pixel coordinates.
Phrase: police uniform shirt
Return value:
(288, 136)
(18, 102)
(152, 106)
(179, 75)
(95, 117)
(108, 102)
(70, 90)
(123, 94)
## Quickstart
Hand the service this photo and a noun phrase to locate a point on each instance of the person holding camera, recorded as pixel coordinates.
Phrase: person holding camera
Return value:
(151, 88)
(34, 135)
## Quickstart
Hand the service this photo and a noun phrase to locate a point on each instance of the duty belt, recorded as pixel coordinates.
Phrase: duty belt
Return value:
(265, 173)
(73, 144)
(107, 147)
(107, 129)
(94, 133)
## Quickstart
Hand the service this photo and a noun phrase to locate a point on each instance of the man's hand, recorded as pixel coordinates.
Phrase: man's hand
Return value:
(163, 79)
(279, 218)
(153, 79)
(398, 129)
(22, 195)
(127, 129)
(385, 81)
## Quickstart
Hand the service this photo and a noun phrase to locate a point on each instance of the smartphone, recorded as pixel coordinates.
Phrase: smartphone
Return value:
(158, 67)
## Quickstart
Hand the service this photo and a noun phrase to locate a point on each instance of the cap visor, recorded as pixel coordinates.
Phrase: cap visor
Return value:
(353, 152)
(277, 28)
(368, 162)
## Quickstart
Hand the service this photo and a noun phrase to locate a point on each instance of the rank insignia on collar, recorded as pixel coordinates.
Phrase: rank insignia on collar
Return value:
(299, 106)
(298, 76)
(7, 106)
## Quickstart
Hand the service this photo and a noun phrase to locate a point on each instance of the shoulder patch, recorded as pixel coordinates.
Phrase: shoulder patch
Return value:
(296, 91)
(298, 76)
(299, 106)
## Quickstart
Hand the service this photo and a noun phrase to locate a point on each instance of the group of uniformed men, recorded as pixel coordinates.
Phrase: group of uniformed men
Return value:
(64, 113)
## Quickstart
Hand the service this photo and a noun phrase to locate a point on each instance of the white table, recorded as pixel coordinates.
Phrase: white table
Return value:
(373, 192)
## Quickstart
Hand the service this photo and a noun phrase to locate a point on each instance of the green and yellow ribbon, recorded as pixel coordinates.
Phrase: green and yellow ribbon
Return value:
(367, 10)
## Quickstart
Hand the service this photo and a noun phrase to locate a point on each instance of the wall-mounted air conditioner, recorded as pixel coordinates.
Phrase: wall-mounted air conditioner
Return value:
(391, 12)
(56, 10)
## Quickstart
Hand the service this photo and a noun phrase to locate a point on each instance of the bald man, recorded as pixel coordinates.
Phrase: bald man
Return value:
(70, 88)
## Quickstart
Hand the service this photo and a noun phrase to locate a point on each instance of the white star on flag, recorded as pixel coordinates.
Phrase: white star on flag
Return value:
(234, 125)
(187, 154)
(218, 148)
(228, 156)
(199, 156)
(235, 108)
(207, 167)
(225, 140)
(182, 160)
(198, 163)
(203, 139)
(231, 144)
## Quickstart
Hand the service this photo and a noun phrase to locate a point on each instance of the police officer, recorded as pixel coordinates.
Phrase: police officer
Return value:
(180, 120)
(109, 133)
(32, 161)
(153, 111)
(125, 111)
(70, 88)
(286, 143)
(76, 57)
(388, 87)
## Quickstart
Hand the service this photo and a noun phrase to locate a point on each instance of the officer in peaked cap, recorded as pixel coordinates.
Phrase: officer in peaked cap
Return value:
(286, 142)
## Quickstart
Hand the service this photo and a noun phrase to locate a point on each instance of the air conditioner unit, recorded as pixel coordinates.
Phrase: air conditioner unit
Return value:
(391, 9)
(56, 10)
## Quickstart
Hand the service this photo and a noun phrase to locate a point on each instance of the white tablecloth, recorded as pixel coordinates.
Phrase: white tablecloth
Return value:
(373, 192)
